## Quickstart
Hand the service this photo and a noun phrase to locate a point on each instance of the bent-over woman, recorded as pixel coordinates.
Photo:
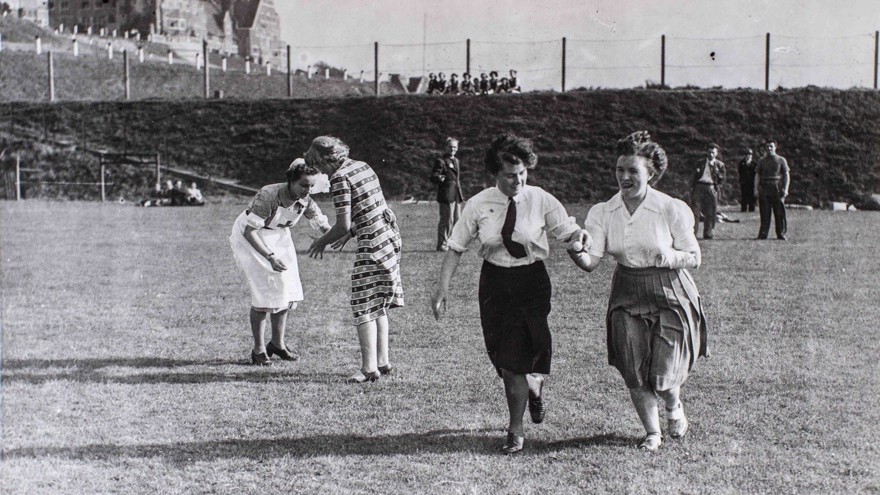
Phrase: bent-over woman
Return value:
(512, 221)
(264, 252)
(375, 279)
(655, 323)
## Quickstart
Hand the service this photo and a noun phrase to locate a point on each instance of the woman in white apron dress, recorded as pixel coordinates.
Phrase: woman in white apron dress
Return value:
(264, 252)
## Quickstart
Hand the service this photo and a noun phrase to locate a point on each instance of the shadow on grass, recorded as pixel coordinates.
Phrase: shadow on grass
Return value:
(179, 371)
(431, 442)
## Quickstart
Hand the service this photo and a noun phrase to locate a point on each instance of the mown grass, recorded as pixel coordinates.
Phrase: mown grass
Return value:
(125, 337)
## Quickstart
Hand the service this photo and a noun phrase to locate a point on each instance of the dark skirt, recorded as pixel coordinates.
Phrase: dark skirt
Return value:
(656, 327)
(514, 304)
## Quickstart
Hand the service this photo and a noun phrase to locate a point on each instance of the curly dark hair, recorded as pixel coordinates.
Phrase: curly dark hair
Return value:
(639, 144)
(298, 169)
(509, 149)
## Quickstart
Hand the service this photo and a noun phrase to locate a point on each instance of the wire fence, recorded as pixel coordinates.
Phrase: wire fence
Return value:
(760, 61)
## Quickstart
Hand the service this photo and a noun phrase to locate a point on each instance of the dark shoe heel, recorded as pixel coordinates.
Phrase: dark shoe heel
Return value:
(261, 359)
(285, 354)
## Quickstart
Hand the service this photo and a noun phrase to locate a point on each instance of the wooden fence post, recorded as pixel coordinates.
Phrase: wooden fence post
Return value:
(468, 57)
(767, 64)
(18, 176)
(51, 76)
(207, 76)
(126, 75)
(289, 75)
(376, 66)
(103, 191)
(662, 60)
(563, 64)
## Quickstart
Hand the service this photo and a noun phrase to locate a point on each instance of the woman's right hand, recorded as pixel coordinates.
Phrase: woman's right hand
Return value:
(438, 303)
(277, 264)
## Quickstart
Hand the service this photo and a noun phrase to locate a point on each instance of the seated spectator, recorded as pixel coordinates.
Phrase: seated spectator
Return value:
(484, 84)
(503, 86)
(156, 197)
(514, 82)
(493, 82)
(452, 88)
(441, 82)
(432, 84)
(467, 86)
(194, 196)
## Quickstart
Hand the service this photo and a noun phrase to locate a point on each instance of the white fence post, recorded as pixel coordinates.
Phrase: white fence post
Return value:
(141, 54)
(268, 68)
(75, 47)
(198, 60)
(170, 57)
(110, 51)
(327, 73)
(247, 66)
(39, 44)
(223, 63)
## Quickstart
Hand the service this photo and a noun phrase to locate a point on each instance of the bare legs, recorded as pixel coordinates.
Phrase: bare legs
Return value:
(278, 320)
(516, 388)
(646, 403)
(373, 338)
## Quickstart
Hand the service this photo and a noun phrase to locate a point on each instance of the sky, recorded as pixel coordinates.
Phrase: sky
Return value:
(609, 43)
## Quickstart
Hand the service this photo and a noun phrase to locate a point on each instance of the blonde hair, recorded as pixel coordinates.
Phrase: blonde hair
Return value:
(326, 149)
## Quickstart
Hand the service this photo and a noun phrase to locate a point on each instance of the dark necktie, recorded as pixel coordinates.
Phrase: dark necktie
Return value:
(514, 248)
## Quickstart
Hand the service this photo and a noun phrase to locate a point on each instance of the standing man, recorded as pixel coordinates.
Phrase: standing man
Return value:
(706, 183)
(446, 176)
(746, 171)
(771, 188)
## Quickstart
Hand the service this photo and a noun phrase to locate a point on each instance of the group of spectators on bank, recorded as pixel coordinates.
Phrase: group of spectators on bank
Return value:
(486, 84)
(175, 194)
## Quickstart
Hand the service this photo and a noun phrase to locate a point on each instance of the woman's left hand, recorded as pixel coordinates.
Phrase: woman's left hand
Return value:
(316, 250)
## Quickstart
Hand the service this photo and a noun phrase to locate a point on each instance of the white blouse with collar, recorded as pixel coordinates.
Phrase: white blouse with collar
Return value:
(537, 214)
(659, 225)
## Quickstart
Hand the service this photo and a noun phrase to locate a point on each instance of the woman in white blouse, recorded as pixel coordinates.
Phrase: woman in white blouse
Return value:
(655, 322)
(512, 221)
(264, 252)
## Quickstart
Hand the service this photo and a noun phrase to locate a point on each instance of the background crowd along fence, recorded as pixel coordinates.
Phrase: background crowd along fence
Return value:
(761, 61)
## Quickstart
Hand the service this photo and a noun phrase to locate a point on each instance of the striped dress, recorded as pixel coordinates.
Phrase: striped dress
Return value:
(375, 279)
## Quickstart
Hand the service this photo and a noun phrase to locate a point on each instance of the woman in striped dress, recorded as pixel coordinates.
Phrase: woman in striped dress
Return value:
(375, 279)
(655, 323)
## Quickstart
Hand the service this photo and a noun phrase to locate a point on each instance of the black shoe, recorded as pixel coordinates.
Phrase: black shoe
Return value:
(710, 236)
(536, 405)
(364, 376)
(385, 370)
(513, 444)
(261, 359)
(285, 354)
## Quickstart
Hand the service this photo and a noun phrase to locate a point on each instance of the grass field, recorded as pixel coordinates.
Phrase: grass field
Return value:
(125, 338)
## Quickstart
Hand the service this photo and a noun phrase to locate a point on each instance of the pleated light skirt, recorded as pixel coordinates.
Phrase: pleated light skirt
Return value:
(655, 325)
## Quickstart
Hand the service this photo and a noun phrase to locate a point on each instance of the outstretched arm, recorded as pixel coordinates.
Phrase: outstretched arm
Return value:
(450, 265)
(338, 231)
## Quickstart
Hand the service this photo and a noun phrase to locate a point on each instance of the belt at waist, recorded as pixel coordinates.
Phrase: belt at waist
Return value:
(706, 183)
(771, 179)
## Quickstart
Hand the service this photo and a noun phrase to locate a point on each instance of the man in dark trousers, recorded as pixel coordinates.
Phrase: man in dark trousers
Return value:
(771, 188)
(746, 172)
(706, 182)
(446, 175)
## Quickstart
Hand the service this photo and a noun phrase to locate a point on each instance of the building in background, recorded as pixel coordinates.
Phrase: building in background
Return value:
(36, 11)
(249, 28)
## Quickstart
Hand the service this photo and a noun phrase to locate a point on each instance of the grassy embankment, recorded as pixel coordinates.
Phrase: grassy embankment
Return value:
(831, 138)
